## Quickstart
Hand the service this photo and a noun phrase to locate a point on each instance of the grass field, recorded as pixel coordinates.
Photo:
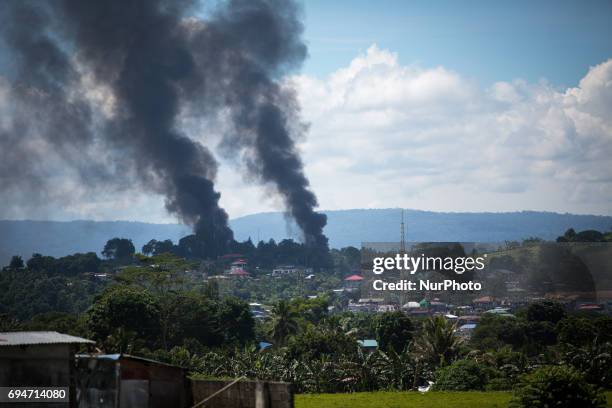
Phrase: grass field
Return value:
(409, 400)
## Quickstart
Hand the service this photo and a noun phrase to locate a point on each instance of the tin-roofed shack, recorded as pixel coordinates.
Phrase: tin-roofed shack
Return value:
(39, 359)
(124, 381)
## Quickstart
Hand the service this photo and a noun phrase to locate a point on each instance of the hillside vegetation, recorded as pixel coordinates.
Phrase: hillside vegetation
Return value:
(344, 228)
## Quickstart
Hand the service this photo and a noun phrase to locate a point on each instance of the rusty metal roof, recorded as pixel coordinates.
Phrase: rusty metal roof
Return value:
(39, 337)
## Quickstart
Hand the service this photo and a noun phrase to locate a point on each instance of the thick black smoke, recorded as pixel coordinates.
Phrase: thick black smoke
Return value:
(252, 43)
(158, 61)
(38, 113)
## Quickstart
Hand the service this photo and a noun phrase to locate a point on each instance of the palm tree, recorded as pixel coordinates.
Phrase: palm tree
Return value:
(284, 322)
(439, 342)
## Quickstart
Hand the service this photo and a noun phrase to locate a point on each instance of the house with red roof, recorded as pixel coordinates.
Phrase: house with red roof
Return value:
(239, 273)
(352, 282)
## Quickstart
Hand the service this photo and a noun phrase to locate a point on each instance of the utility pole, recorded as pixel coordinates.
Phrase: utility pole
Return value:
(402, 251)
(402, 236)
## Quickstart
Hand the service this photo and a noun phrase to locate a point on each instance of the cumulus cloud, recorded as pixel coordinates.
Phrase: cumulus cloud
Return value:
(385, 134)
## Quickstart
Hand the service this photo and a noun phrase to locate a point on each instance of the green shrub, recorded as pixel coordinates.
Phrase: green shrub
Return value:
(503, 378)
(576, 331)
(315, 343)
(545, 311)
(594, 362)
(556, 386)
(499, 384)
(393, 331)
(462, 375)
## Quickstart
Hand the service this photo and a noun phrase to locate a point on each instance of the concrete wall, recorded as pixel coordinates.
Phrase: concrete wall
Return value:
(244, 394)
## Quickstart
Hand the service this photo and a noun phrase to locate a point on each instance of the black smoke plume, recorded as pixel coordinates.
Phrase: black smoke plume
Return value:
(156, 61)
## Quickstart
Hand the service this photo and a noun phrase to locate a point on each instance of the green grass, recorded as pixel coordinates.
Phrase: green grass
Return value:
(409, 400)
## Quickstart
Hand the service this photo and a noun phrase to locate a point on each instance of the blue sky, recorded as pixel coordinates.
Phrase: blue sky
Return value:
(487, 41)
(432, 105)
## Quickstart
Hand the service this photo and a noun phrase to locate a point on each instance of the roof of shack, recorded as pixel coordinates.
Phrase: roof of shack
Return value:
(25, 338)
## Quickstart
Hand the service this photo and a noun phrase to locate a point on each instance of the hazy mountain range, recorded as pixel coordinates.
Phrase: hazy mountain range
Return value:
(345, 227)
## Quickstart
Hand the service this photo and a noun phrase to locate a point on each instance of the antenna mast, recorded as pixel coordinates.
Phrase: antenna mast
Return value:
(402, 236)
(403, 296)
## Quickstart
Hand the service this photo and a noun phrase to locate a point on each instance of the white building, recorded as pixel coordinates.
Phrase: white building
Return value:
(290, 270)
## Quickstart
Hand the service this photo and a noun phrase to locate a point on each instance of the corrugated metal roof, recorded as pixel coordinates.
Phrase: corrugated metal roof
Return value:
(38, 337)
(119, 357)
(368, 343)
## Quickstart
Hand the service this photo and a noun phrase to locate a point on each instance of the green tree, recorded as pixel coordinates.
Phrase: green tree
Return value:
(284, 322)
(311, 310)
(149, 247)
(119, 249)
(122, 340)
(70, 265)
(393, 331)
(462, 375)
(26, 293)
(539, 335)
(569, 236)
(186, 313)
(493, 332)
(58, 321)
(236, 320)
(558, 386)
(316, 343)
(40, 263)
(193, 317)
(604, 329)
(130, 308)
(576, 331)
(589, 236)
(593, 360)
(16, 262)
(438, 341)
(155, 247)
(545, 311)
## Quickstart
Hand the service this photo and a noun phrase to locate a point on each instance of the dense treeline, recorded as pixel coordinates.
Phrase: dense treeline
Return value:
(26, 294)
(45, 285)
(147, 306)
(264, 254)
(585, 236)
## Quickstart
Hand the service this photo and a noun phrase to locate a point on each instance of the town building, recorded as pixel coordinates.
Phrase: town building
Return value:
(239, 264)
(352, 282)
(281, 270)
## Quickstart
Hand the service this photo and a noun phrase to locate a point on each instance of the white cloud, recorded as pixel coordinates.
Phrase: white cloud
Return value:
(384, 134)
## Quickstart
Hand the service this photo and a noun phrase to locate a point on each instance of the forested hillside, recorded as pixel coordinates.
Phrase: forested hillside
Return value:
(344, 228)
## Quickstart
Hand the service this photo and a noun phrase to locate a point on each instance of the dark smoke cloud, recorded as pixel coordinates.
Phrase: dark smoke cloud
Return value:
(253, 43)
(157, 61)
(139, 48)
(40, 113)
